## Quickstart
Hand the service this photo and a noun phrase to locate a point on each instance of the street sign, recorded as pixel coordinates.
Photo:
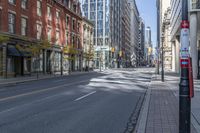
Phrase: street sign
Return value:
(185, 40)
(185, 79)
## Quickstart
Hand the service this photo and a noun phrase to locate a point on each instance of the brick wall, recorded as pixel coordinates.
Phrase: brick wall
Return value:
(31, 14)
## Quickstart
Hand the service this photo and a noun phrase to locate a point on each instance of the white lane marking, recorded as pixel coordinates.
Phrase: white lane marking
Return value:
(85, 96)
(39, 91)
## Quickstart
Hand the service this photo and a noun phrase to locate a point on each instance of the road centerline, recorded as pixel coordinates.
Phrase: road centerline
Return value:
(82, 97)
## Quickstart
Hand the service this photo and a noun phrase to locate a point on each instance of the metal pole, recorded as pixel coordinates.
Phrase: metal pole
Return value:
(184, 99)
(158, 63)
(100, 59)
(158, 35)
(162, 60)
(61, 62)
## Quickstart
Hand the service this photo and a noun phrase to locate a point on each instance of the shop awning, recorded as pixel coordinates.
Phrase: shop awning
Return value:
(25, 54)
(12, 51)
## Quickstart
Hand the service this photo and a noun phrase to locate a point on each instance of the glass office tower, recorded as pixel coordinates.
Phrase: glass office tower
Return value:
(98, 11)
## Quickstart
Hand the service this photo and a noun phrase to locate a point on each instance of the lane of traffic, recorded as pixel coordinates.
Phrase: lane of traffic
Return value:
(105, 105)
(43, 84)
(97, 112)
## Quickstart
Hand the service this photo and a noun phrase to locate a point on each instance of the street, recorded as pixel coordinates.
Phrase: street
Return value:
(96, 102)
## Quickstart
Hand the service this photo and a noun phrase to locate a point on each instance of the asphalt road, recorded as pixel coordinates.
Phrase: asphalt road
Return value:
(87, 103)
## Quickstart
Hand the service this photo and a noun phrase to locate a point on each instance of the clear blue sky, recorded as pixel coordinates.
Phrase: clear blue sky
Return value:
(147, 9)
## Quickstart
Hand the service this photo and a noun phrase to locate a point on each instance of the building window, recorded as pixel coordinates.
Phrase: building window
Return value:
(57, 17)
(23, 26)
(11, 23)
(73, 41)
(49, 34)
(39, 31)
(73, 24)
(78, 43)
(39, 8)
(12, 1)
(74, 8)
(66, 38)
(57, 37)
(67, 22)
(78, 27)
(49, 13)
(24, 4)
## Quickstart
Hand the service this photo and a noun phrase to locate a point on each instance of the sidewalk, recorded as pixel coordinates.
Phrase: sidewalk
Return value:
(17, 80)
(161, 107)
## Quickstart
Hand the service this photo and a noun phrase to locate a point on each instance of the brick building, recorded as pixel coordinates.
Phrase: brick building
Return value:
(26, 22)
(88, 44)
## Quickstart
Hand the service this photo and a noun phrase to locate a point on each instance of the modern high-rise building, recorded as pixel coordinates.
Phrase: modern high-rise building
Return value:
(116, 33)
(125, 56)
(134, 28)
(148, 37)
(141, 43)
(148, 46)
(112, 31)
(99, 13)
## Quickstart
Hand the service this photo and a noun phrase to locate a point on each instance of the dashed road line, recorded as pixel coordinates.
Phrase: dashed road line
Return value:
(82, 97)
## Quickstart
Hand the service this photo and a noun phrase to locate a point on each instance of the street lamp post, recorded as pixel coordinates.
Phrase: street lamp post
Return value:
(162, 77)
(100, 59)
(101, 53)
(61, 60)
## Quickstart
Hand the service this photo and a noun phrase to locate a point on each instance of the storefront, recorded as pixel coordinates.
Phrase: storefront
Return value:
(18, 62)
(57, 62)
(48, 61)
(52, 61)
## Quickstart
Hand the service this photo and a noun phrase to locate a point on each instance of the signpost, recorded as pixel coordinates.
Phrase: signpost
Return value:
(186, 81)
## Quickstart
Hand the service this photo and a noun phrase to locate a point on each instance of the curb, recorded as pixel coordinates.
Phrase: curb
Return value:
(35, 79)
(141, 126)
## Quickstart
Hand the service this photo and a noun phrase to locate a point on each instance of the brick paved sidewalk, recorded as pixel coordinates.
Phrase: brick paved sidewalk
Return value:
(162, 112)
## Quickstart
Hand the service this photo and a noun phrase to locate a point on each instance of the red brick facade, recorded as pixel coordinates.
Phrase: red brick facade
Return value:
(32, 22)
(32, 18)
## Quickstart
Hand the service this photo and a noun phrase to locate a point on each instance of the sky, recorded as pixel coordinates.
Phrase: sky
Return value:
(147, 10)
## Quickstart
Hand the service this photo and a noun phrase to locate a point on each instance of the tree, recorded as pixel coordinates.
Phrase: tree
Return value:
(2, 40)
(89, 55)
(69, 50)
(35, 50)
